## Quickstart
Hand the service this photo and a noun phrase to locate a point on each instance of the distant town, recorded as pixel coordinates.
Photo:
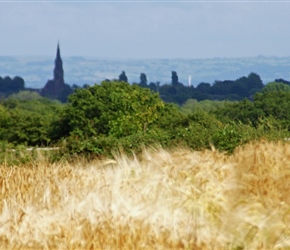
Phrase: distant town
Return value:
(36, 71)
(176, 81)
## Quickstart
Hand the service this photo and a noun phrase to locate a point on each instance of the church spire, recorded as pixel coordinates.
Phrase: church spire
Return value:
(58, 69)
(56, 88)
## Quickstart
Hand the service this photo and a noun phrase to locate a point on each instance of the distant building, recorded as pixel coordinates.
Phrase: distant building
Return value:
(56, 88)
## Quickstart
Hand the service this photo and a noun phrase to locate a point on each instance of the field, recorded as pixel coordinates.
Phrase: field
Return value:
(177, 199)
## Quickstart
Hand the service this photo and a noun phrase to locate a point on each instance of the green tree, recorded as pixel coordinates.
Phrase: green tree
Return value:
(123, 77)
(203, 87)
(276, 86)
(143, 80)
(243, 111)
(9, 86)
(254, 82)
(174, 78)
(26, 95)
(192, 105)
(275, 104)
(27, 118)
(111, 108)
(17, 84)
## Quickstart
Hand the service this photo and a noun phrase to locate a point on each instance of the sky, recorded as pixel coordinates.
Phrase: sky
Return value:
(145, 29)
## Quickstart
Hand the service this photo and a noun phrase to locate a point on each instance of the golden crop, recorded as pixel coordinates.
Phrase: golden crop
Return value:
(162, 200)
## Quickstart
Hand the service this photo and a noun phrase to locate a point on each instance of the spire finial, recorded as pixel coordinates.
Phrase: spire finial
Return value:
(58, 51)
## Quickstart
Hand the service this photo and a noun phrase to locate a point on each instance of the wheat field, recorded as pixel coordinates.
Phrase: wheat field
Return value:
(177, 199)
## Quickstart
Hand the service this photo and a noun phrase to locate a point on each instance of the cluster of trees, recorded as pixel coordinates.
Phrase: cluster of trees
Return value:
(174, 92)
(9, 86)
(27, 118)
(116, 115)
(177, 92)
(244, 87)
(60, 92)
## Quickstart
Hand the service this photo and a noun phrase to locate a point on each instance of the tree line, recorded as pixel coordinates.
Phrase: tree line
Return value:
(175, 92)
(10, 85)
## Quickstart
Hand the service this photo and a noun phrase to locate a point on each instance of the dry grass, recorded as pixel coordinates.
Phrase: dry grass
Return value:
(165, 200)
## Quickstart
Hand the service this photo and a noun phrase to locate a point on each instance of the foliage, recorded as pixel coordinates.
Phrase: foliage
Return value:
(243, 87)
(275, 104)
(243, 111)
(276, 86)
(197, 131)
(231, 135)
(30, 119)
(9, 86)
(123, 77)
(192, 105)
(116, 116)
(113, 109)
(26, 95)
(174, 78)
(143, 80)
(265, 105)
(19, 155)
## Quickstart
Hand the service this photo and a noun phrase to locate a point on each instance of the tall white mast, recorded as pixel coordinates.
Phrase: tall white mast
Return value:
(189, 81)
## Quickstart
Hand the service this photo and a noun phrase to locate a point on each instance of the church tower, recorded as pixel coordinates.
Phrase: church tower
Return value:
(56, 88)
(58, 70)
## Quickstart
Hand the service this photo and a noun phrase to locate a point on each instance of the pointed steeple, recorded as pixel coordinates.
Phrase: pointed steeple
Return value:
(56, 88)
(58, 69)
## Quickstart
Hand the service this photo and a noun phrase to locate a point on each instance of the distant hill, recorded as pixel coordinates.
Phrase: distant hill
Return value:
(83, 70)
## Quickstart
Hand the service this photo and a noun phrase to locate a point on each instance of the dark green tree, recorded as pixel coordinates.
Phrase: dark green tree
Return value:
(153, 86)
(18, 84)
(174, 78)
(143, 80)
(9, 86)
(203, 87)
(123, 77)
(282, 80)
(254, 82)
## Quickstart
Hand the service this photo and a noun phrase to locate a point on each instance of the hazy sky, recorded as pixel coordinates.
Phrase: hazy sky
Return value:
(146, 29)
